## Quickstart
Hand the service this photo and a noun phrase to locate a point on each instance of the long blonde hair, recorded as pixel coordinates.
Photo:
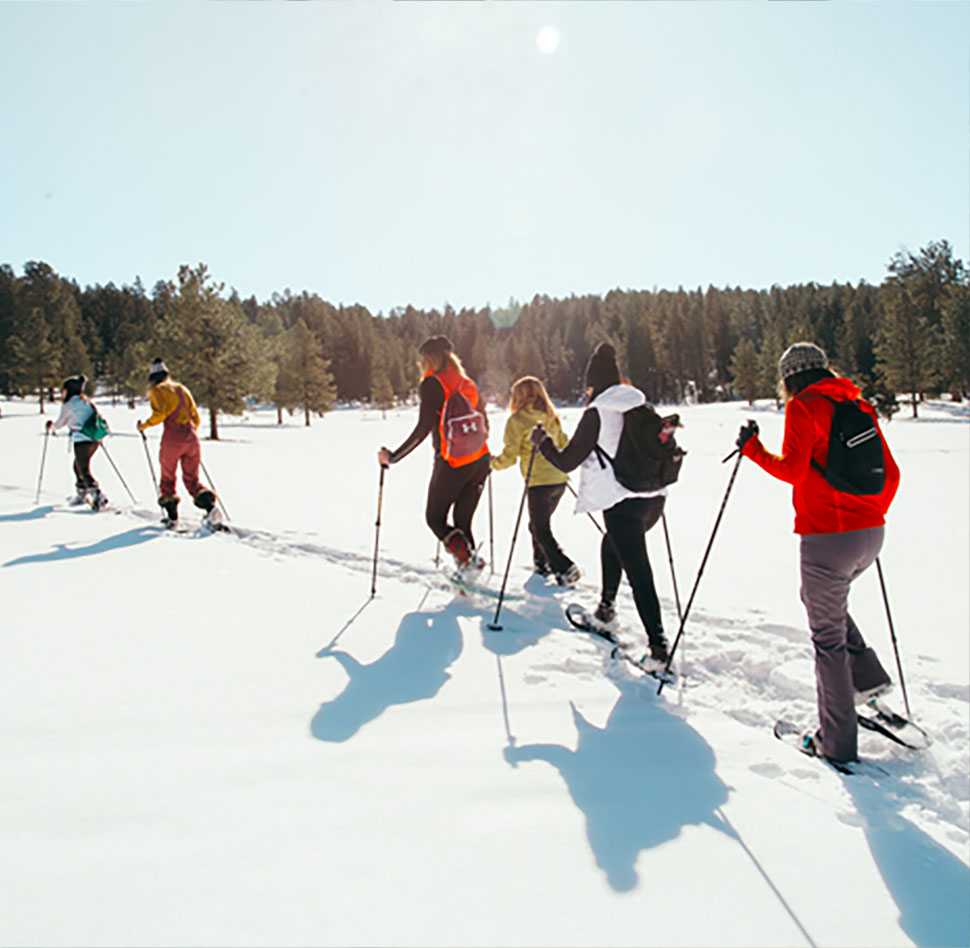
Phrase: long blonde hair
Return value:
(529, 392)
(438, 361)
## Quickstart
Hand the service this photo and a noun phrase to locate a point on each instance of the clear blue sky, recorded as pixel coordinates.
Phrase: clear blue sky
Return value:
(427, 152)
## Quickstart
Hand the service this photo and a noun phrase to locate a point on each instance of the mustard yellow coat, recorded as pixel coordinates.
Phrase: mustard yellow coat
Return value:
(518, 445)
(164, 400)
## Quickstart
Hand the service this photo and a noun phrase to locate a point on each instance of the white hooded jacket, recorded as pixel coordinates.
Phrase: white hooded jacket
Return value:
(598, 487)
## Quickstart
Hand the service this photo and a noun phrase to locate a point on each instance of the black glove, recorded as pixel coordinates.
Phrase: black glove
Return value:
(746, 433)
(538, 435)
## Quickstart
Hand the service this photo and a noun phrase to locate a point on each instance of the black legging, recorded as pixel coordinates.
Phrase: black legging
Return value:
(624, 550)
(542, 501)
(460, 487)
(83, 451)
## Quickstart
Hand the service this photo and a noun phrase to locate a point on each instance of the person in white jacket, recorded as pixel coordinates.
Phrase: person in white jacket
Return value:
(627, 515)
(75, 411)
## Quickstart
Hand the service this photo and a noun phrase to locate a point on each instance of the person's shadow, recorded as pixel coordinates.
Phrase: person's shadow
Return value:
(414, 668)
(930, 886)
(638, 780)
(63, 551)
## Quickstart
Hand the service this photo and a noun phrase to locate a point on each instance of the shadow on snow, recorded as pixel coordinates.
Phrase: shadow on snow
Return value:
(414, 668)
(638, 780)
(930, 886)
(62, 551)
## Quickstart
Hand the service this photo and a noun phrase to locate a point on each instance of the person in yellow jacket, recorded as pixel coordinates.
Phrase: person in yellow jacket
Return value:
(174, 408)
(530, 404)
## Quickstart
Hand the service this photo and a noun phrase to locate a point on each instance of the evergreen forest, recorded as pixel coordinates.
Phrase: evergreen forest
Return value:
(901, 341)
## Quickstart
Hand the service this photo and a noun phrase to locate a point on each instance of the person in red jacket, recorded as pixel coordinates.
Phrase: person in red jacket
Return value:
(841, 536)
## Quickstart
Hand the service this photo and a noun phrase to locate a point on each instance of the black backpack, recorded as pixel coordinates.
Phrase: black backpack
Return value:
(856, 463)
(647, 456)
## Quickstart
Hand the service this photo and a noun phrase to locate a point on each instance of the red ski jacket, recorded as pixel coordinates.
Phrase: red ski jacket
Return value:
(819, 507)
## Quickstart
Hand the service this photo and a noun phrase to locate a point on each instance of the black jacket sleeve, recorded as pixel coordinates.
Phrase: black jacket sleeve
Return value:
(579, 447)
(432, 401)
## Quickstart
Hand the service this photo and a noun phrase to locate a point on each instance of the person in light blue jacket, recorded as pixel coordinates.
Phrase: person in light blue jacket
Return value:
(75, 412)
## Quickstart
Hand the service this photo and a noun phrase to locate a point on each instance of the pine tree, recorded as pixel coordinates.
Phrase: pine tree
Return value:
(907, 347)
(34, 360)
(304, 381)
(745, 370)
(955, 363)
(210, 346)
(382, 392)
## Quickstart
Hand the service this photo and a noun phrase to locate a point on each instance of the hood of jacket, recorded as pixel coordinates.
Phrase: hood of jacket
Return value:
(619, 398)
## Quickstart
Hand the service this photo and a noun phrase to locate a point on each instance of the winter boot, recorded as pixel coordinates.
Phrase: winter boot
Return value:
(542, 569)
(96, 499)
(205, 499)
(569, 577)
(605, 613)
(170, 504)
(659, 652)
(81, 497)
(864, 697)
(456, 543)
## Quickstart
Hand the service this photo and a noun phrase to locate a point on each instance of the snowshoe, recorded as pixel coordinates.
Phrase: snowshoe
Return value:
(580, 619)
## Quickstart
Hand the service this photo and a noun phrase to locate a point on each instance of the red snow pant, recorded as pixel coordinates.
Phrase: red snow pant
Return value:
(844, 663)
(180, 443)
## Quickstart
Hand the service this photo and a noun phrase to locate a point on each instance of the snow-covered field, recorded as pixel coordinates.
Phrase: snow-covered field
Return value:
(216, 740)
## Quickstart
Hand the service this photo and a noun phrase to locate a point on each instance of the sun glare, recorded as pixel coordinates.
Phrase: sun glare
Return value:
(547, 40)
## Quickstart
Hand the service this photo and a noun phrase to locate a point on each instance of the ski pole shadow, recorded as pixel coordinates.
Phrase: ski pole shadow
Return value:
(524, 624)
(38, 513)
(930, 886)
(62, 551)
(638, 780)
(413, 669)
(326, 649)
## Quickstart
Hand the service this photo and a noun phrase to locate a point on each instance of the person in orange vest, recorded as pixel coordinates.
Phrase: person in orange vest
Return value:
(174, 408)
(452, 412)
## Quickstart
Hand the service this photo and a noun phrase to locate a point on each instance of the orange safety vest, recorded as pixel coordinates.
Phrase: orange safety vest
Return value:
(462, 427)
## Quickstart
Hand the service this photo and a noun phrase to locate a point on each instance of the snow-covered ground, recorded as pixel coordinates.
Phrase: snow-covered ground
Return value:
(217, 740)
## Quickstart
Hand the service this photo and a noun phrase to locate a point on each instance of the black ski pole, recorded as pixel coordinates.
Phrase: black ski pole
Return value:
(43, 458)
(225, 513)
(892, 635)
(377, 531)
(493, 625)
(120, 478)
(700, 572)
(670, 559)
(151, 467)
(491, 529)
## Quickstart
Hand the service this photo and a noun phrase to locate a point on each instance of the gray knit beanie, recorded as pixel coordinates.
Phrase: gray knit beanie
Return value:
(800, 357)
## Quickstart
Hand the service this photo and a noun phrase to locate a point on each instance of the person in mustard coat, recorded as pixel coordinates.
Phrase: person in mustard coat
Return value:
(174, 408)
(530, 405)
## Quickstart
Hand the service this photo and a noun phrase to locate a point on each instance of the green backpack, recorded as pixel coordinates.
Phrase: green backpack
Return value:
(95, 427)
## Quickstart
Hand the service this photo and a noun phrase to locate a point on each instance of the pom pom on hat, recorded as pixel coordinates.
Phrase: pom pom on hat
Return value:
(800, 357)
(157, 366)
(602, 371)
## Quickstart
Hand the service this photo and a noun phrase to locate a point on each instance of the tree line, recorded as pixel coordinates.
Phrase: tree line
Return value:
(910, 335)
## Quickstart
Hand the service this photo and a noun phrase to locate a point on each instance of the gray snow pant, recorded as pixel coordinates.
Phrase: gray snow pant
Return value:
(844, 663)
